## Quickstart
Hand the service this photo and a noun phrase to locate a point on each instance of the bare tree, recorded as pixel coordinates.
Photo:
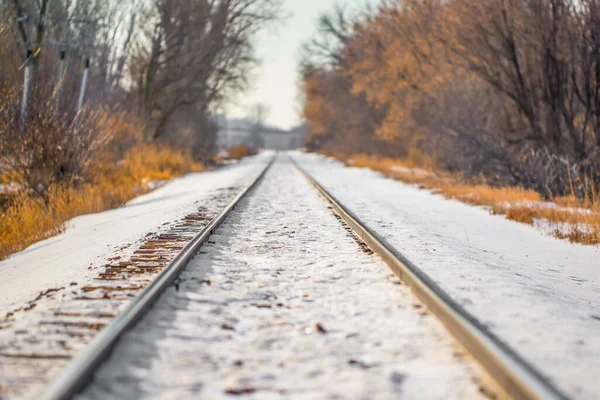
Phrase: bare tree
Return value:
(196, 55)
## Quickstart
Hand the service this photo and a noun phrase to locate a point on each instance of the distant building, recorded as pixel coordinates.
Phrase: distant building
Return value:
(277, 139)
(233, 132)
(238, 131)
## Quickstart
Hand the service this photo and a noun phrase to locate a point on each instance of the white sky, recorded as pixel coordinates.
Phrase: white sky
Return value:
(276, 81)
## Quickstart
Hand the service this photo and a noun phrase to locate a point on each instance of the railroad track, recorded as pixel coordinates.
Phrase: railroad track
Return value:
(511, 372)
(81, 369)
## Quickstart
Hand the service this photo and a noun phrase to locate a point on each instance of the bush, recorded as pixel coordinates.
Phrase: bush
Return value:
(30, 217)
(239, 152)
(64, 166)
(48, 149)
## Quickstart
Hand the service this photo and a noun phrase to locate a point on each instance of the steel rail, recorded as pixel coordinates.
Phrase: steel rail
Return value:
(515, 376)
(81, 369)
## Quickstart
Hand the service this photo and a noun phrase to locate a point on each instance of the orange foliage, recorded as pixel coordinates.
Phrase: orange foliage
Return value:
(399, 65)
(239, 152)
(475, 85)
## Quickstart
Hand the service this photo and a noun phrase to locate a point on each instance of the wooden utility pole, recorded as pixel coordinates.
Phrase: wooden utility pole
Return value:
(64, 44)
(28, 71)
(61, 62)
(84, 79)
(25, 22)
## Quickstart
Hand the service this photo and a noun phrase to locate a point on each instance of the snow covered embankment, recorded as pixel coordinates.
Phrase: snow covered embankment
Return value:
(540, 294)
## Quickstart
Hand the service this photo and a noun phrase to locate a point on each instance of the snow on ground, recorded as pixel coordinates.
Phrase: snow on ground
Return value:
(540, 294)
(283, 304)
(9, 187)
(92, 239)
(417, 172)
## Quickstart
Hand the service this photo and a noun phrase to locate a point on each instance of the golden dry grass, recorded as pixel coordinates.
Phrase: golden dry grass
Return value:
(517, 204)
(29, 219)
(239, 152)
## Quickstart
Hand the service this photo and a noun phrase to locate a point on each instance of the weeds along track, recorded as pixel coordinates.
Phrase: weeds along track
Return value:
(76, 326)
(515, 376)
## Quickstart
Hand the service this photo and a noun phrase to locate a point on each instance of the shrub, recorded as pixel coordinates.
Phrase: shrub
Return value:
(239, 152)
(48, 149)
(30, 217)
(66, 166)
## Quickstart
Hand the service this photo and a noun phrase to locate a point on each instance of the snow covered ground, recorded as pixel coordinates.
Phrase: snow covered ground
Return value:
(90, 240)
(283, 304)
(540, 294)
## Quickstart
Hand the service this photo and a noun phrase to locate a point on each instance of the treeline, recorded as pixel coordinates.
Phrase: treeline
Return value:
(79, 78)
(504, 90)
(99, 99)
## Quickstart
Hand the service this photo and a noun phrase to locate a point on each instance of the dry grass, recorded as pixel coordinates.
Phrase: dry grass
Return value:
(30, 218)
(582, 225)
(239, 152)
(576, 235)
(582, 219)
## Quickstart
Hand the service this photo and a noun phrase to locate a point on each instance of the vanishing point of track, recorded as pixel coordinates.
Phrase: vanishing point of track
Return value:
(512, 373)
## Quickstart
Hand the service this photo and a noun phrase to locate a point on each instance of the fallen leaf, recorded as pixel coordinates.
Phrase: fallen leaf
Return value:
(320, 328)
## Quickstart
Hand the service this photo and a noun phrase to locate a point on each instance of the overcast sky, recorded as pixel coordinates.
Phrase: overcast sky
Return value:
(276, 81)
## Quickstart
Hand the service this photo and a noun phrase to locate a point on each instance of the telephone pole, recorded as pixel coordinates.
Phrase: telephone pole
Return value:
(25, 22)
(84, 79)
(84, 46)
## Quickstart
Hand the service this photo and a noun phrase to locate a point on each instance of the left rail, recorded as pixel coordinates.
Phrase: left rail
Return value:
(81, 369)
